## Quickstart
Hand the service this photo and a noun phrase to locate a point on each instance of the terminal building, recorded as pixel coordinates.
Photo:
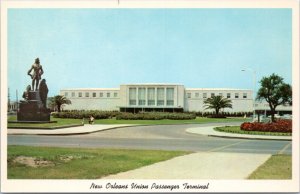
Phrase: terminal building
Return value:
(155, 97)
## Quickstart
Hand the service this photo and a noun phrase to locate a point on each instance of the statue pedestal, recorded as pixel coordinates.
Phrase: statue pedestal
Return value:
(33, 109)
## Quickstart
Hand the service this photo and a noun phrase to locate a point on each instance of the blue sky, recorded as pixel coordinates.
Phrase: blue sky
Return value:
(103, 48)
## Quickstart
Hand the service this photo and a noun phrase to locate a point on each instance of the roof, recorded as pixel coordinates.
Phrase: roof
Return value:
(90, 89)
(217, 89)
(152, 84)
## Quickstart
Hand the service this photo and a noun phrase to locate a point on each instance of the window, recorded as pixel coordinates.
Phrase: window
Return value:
(236, 95)
(115, 94)
(94, 94)
(87, 94)
(142, 96)
(188, 95)
(160, 96)
(66, 94)
(73, 94)
(212, 95)
(204, 95)
(228, 95)
(197, 95)
(132, 96)
(108, 95)
(101, 94)
(170, 96)
(220, 94)
(151, 96)
(244, 95)
(79, 94)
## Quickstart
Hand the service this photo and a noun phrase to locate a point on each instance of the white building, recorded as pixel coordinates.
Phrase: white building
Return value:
(154, 97)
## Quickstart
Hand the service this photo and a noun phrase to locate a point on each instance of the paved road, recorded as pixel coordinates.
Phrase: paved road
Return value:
(159, 137)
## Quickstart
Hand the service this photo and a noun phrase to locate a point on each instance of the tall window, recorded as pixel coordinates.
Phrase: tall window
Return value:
(160, 96)
(108, 95)
(101, 94)
(204, 95)
(189, 95)
(115, 94)
(94, 94)
(87, 94)
(142, 96)
(236, 95)
(151, 96)
(132, 96)
(244, 95)
(79, 94)
(212, 95)
(73, 94)
(228, 95)
(170, 96)
(66, 94)
(197, 95)
(220, 94)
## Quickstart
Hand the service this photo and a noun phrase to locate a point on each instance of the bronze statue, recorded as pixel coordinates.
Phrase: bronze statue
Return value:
(37, 73)
(26, 92)
(43, 90)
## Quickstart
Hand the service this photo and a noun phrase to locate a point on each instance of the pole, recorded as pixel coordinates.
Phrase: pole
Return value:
(17, 100)
(253, 93)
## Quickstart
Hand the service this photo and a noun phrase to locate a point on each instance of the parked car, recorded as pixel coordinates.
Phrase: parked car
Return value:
(286, 116)
(262, 118)
(277, 116)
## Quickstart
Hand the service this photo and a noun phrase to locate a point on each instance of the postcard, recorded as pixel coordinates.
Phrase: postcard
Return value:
(149, 96)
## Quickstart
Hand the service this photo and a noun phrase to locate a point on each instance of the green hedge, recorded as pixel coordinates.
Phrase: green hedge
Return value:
(79, 114)
(155, 116)
(226, 114)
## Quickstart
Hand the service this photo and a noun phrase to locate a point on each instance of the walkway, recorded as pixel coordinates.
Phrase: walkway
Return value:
(65, 131)
(204, 165)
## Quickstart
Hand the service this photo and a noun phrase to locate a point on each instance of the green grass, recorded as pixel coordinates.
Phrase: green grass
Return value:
(236, 129)
(87, 163)
(277, 167)
(66, 122)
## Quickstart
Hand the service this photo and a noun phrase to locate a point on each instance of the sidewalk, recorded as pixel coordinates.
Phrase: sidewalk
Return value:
(65, 131)
(204, 165)
(209, 131)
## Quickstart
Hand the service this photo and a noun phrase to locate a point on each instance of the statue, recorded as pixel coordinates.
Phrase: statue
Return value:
(37, 72)
(43, 90)
(26, 92)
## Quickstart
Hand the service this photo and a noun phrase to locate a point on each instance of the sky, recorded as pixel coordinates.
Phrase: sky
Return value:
(103, 48)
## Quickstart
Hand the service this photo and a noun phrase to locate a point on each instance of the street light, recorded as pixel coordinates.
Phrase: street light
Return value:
(254, 83)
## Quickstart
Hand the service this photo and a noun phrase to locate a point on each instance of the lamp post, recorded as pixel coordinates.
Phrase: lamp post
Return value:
(254, 83)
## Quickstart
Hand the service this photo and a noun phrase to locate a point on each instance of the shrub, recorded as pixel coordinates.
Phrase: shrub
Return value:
(155, 116)
(281, 125)
(79, 114)
(216, 116)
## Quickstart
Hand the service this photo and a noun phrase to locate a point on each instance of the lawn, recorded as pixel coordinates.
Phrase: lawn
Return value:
(236, 129)
(277, 167)
(66, 122)
(78, 163)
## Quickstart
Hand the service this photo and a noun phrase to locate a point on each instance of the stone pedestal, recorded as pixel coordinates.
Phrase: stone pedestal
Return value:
(33, 109)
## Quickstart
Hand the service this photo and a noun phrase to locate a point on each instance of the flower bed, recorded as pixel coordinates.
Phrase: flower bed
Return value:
(281, 125)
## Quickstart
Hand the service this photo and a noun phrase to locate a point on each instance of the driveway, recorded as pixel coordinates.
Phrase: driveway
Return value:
(156, 137)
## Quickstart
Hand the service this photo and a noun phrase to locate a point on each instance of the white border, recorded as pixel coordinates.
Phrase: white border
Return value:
(214, 185)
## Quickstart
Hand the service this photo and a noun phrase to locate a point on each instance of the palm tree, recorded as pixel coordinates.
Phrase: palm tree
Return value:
(217, 102)
(59, 100)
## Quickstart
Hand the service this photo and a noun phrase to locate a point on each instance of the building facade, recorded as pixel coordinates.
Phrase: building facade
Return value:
(154, 97)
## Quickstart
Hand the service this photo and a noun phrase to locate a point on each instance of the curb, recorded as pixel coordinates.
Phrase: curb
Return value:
(252, 138)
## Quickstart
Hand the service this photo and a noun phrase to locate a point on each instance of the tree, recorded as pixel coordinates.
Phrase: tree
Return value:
(275, 92)
(217, 102)
(58, 101)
